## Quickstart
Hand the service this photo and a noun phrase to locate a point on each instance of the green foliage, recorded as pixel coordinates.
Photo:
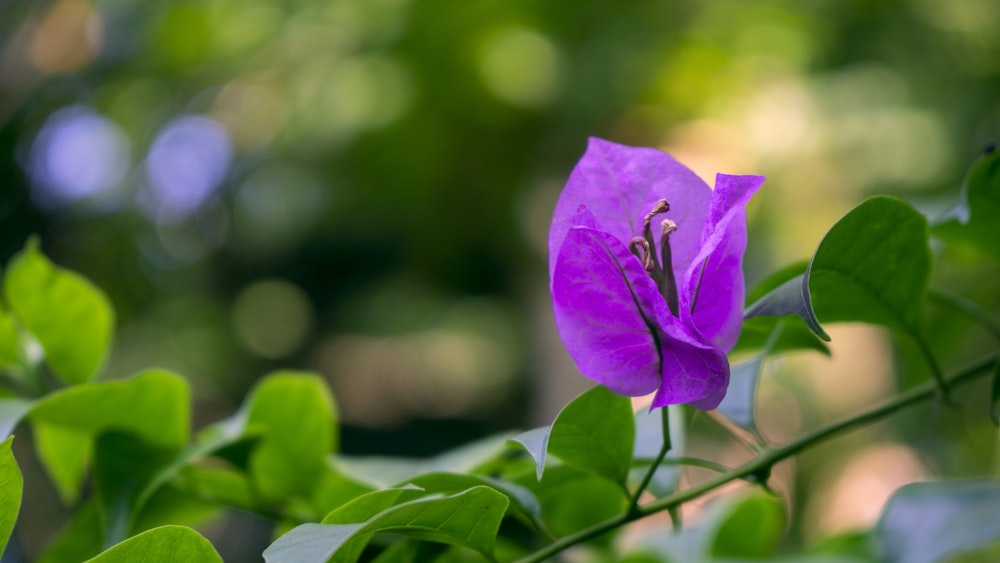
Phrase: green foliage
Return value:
(76, 339)
(470, 519)
(594, 432)
(973, 220)
(168, 544)
(11, 485)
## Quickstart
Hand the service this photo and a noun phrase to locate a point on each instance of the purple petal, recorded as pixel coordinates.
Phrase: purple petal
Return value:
(617, 327)
(718, 309)
(604, 303)
(619, 185)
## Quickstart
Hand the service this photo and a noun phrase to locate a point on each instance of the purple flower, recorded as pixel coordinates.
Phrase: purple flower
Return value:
(646, 267)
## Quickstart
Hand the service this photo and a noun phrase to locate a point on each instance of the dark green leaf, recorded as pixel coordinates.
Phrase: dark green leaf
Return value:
(470, 519)
(295, 415)
(973, 220)
(166, 544)
(78, 540)
(11, 487)
(930, 522)
(792, 297)
(995, 394)
(71, 318)
(573, 499)
(10, 345)
(594, 432)
(873, 266)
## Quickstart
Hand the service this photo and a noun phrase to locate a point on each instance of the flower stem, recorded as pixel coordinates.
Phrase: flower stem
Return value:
(633, 504)
(764, 461)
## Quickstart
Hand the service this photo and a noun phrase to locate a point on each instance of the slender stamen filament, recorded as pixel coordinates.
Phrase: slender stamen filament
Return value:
(667, 283)
(659, 266)
(640, 249)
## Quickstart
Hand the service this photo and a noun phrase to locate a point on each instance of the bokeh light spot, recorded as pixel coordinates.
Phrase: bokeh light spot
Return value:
(521, 67)
(186, 164)
(78, 153)
(273, 318)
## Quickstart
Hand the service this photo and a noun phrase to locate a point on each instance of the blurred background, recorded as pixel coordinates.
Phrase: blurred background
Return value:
(363, 188)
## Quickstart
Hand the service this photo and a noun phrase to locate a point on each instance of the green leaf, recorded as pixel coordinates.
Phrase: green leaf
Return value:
(369, 505)
(594, 432)
(523, 503)
(747, 526)
(783, 293)
(72, 319)
(995, 394)
(295, 415)
(795, 335)
(929, 522)
(873, 266)
(973, 220)
(64, 453)
(573, 499)
(471, 519)
(10, 346)
(165, 544)
(11, 487)
(78, 540)
(153, 405)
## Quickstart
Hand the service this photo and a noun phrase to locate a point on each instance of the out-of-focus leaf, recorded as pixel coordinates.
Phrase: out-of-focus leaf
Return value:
(71, 318)
(747, 527)
(594, 432)
(11, 487)
(153, 405)
(470, 518)
(995, 393)
(12, 410)
(222, 485)
(295, 415)
(387, 471)
(166, 544)
(873, 266)
(795, 335)
(123, 466)
(738, 404)
(573, 499)
(80, 539)
(64, 453)
(973, 220)
(9, 343)
(930, 522)
(649, 438)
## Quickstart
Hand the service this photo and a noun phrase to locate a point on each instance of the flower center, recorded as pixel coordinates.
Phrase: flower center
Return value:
(658, 267)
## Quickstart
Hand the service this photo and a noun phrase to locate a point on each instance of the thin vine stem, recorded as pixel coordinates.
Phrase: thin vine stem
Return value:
(665, 425)
(765, 460)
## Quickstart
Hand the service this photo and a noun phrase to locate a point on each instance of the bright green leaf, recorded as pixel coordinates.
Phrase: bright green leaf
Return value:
(594, 432)
(166, 544)
(750, 528)
(873, 266)
(64, 453)
(294, 412)
(11, 487)
(930, 522)
(154, 405)
(71, 318)
(10, 346)
(470, 519)
(973, 220)
(369, 505)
